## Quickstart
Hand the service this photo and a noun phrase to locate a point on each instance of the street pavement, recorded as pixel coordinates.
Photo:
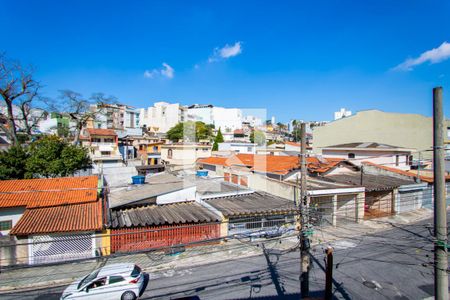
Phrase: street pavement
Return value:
(390, 264)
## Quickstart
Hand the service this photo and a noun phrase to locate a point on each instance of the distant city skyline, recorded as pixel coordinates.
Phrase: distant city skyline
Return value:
(298, 60)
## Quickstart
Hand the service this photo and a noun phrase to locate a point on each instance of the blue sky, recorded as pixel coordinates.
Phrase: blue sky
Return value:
(297, 59)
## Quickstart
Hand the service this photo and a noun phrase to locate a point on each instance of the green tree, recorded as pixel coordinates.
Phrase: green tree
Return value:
(217, 140)
(53, 157)
(12, 163)
(258, 137)
(190, 132)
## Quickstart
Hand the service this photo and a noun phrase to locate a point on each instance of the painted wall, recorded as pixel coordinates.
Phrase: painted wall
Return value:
(13, 214)
(402, 130)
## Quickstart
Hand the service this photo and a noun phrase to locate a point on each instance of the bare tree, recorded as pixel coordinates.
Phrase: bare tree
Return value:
(16, 86)
(82, 110)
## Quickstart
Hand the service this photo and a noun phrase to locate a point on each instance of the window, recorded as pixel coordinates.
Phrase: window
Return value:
(96, 140)
(169, 153)
(6, 225)
(351, 155)
(109, 140)
(115, 279)
(397, 160)
(98, 283)
(136, 272)
(89, 278)
(105, 153)
(249, 149)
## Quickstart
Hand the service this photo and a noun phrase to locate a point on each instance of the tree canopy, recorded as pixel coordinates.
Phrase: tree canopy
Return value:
(190, 131)
(217, 140)
(258, 137)
(47, 157)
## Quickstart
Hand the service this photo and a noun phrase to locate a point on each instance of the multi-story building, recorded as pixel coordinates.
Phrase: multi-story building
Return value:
(115, 116)
(162, 116)
(227, 119)
(103, 146)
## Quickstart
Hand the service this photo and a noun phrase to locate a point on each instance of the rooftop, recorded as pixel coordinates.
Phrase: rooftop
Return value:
(158, 184)
(64, 218)
(366, 146)
(103, 132)
(44, 192)
(370, 181)
(254, 203)
(178, 213)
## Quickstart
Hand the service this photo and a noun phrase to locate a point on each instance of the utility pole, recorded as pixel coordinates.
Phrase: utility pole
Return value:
(304, 211)
(440, 212)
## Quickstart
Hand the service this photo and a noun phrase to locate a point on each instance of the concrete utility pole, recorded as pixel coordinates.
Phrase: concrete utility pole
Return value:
(304, 211)
(440, 212)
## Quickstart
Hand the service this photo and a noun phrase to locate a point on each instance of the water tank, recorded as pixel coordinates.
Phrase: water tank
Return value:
(202, 173)
(138, 179)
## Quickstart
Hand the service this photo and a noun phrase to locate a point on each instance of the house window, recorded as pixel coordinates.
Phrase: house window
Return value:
(351, 155)
(109, 141)
(105, 153)
(169, 153)
(249, 149)
(96, 140)
(397, 160)
(5, 225)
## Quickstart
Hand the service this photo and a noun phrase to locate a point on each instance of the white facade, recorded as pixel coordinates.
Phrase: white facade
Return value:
(227, 119)
(162, 116)
(184, 155)
(186, 194)
(342, 113)
(247, 148)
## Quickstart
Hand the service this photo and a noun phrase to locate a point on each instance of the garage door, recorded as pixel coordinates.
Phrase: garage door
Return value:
(53, 248)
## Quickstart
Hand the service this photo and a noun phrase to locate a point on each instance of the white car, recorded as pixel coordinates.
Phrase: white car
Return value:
(118, 281)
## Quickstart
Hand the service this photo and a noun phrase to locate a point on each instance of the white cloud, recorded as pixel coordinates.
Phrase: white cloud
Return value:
(166, 71)
(433, 56)
(226, 52)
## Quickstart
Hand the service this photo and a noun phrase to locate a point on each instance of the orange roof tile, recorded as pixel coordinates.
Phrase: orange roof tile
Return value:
(66, 218)
(44, 192)
(99, 131)
(405, 173)
(276, 164)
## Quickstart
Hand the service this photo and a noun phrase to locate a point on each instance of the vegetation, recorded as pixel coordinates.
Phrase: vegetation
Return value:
(47, 157)
(217, 140)
(190, 132)
(258, 137)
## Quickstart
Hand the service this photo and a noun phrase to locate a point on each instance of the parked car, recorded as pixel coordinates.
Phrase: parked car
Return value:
(117, 281)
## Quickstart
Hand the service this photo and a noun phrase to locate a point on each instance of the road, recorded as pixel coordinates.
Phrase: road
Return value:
(394, 264)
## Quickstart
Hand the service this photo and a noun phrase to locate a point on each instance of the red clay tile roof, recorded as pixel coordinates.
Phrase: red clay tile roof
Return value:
(276, 164)
(66, 218)
(98, 131)
(405, 173)
(33, 193)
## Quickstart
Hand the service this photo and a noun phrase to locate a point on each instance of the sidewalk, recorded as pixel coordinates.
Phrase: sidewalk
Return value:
(160, 265)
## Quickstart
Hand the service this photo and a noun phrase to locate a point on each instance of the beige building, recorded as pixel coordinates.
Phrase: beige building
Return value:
(401, 130)
(182, 155)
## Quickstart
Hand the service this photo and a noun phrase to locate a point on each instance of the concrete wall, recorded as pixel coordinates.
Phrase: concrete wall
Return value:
(11, 214)
(187, 194)
(386, 158)
(402, 130)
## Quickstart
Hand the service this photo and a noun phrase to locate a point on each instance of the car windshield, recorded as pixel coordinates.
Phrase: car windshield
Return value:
(136, 271)
(88, 278)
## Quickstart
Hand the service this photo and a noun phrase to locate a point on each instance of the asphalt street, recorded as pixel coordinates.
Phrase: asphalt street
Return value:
(393, 264)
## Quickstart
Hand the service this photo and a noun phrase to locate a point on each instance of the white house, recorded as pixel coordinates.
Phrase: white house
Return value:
(238, 147)
(382, 154)
(183, 155)
(228, 119)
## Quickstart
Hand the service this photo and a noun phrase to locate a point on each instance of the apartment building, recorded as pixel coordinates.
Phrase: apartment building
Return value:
(162, 116)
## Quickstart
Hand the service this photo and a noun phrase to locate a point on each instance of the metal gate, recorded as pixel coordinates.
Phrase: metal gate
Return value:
(53, 248)
(154, 237)
(378, 204)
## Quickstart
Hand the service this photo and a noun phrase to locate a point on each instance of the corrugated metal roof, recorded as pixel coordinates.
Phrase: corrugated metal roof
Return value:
(48, 191)
(370, 181)
(178, 213)
(66, 218)
(255, 203)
